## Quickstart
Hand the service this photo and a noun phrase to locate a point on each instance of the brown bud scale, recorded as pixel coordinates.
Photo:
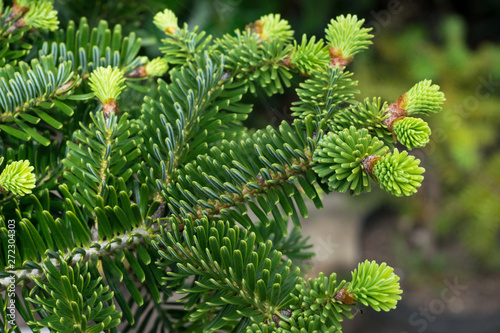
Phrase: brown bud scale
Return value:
(110, 107)
(396, 112)
(16, 10)
(343, 296)
(138, 72)
(256, 27)
(336, 58)
(369, 162)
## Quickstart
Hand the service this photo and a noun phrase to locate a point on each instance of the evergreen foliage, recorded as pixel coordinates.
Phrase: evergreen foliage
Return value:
(399, 173)
(374, 285)
(423, 98)
(41, 15)
(73, 297)
(107, 83)
(345, 157)
(346, 37)
(17, 177)
(412, 132)
(128, 207)
(367, 114)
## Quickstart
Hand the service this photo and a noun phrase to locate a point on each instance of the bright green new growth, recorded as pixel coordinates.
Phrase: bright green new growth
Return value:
(412, 132)
(273, 27)
(368, 114)
(346, 34)
(309, 55)
(399, 173)
(18, 178)
(322, 94)
(338, 159)
(26, 3)
(166, 21)
(157, 67)
(107, 83)
(317, 297)
(41, 15)
(423, 98)
(375, 285)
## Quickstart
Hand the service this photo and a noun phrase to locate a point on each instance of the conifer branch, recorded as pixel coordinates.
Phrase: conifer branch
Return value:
(194, 100)
(369, 114)
(118, 207)
(310, 56)
(95, 251)
(225, 180)
(244, 274)
(102, 150)
(324, 93)
(346, 37)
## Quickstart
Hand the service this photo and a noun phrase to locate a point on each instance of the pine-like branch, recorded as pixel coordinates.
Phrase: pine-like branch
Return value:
(105, 148)
(367, 114)
(222, 183)
(198, 108)
(169, 197)
(238, 275)
(28, 88)
(310, 56)
(324, 94)
(17, 177)
(255, 61)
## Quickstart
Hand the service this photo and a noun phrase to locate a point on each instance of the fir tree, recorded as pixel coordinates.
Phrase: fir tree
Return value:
(107, 203)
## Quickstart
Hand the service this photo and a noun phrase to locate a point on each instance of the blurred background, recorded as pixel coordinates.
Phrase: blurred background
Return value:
(444, 241)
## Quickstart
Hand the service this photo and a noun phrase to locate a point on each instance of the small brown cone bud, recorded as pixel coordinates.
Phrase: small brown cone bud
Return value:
(395, 111)
(336, 58)
(16, 10)
(369, 162)
(256, 27)
(171, 30)
(343, 296)
(110, 107)
(138, 72)
(286, 62)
